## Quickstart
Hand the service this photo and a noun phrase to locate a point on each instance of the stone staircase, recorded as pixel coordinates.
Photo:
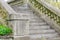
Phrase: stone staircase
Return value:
(38, 28)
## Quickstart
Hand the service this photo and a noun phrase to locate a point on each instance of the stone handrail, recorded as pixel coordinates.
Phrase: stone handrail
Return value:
(4, 15)
(50, 7)
(52, 11)
(7, 7)
(20, 2)
(5, 11)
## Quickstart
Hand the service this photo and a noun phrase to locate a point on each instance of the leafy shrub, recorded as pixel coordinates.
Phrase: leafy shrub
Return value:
(5, 30)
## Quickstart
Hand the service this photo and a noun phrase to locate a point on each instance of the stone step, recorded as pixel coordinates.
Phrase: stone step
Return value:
(53, 38)
(36, 27)
(27, 13)
(22, 11)
(21, 38)
(50, 31)
(18, 16)
(43, 26)
(22, 14)
(42, 23)
(44, 35)
(34, 21)
(24, 5)
(38, 22)
(30, 15)
(39, 25)
(35, 18)
(21, 8)
(56, 38)
(39, 28)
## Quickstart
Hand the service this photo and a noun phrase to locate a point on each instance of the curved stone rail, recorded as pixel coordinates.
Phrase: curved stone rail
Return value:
(5, 10)
(7, 7)
(17, 2)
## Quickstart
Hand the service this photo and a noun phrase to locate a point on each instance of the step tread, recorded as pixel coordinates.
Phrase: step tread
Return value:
(42, 23)
(42, 31)
(53, 38)
(56, 38)
(40, 26)
(44, 35)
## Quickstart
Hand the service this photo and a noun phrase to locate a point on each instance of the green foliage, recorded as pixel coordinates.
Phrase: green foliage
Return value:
(5, 30)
